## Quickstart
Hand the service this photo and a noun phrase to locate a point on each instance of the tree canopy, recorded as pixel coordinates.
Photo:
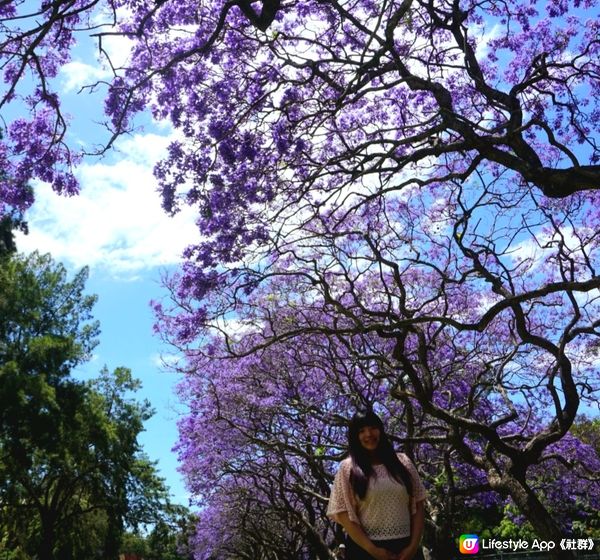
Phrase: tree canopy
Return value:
(260, 446)
(72, 473)
(419, 175)
(335, 92)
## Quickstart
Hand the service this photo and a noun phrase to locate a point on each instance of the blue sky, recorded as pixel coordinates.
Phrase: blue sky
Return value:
(125, 269)
(116, 227)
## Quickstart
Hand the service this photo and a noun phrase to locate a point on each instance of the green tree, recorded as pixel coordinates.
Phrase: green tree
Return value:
(7, 240)
(72, 474)
(168, 538)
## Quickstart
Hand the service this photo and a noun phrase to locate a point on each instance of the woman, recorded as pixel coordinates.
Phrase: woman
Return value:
(377, 496)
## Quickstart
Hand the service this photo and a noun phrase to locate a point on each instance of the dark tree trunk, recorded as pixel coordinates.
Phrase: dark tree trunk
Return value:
(535, 512)
(46, 547)
(442, 543)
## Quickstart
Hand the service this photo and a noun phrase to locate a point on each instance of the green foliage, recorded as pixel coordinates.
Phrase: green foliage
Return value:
(11, 220)
(509, 529)
(588, 431)
(167, 539)
(134, 543)
(7, 240)
(46, 324)
(72, 474)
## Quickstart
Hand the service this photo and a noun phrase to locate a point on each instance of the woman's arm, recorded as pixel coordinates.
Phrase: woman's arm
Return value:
(417, 523)
(357, 534)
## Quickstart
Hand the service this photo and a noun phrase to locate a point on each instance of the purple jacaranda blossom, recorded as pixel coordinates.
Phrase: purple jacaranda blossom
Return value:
(417, 181)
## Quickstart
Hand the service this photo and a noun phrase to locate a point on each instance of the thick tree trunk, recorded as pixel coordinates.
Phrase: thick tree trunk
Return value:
(535, 512)
(46, 547)
(315, 540)
(318, 546)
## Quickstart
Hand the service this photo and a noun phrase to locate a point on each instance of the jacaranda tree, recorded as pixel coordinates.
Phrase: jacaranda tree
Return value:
(36, 39)
(260, 439)
(265, 432)
(423, 172)
(415, 170)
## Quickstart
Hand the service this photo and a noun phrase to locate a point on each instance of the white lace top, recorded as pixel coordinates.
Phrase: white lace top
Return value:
(385, 511)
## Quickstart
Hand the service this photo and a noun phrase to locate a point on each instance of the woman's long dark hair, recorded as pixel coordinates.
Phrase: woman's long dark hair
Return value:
(362, 468)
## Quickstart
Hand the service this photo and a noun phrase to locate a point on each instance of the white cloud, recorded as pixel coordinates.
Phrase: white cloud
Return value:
(166, 362)
(114, 46)
(484, 38)
(97, 59)
(116, 223)
(77, 74)
(118, 49)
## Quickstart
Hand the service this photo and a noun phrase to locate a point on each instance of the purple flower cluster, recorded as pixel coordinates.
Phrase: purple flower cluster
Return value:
(264, 432)
(36, 42)
(396, 206)
(398, 203)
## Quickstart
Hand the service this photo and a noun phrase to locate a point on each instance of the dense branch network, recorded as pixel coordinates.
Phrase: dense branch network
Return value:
(415, 181)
